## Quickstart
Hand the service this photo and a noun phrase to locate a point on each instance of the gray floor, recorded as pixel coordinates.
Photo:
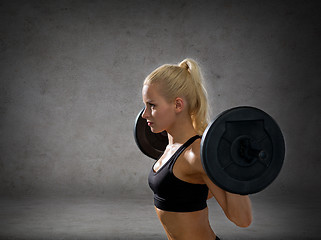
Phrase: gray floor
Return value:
(278, 217)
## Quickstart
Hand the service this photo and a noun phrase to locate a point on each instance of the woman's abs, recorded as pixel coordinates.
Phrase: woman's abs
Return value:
(186, 225)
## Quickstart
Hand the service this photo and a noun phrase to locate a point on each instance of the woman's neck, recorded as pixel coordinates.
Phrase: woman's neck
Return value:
(180, 133)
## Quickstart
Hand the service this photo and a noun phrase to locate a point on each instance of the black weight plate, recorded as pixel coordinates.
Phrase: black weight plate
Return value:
(223, 156)
(151, 144)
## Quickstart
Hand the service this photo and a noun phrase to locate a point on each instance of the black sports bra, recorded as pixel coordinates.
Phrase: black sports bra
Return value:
(171, 193)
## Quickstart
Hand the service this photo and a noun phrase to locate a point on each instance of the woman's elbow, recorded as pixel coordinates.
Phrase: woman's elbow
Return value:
(243, 222)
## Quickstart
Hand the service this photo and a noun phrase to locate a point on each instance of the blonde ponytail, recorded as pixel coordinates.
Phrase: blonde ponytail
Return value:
(198, 107)
(184, 80)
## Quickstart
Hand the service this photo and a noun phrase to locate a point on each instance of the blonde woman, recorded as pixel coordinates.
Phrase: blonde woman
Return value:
(176, 101)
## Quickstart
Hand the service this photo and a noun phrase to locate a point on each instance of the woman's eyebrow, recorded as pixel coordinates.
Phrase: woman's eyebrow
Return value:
(149, 101)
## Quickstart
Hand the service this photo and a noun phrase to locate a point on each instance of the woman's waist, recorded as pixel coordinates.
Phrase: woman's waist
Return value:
(186, 223)
(183, 216)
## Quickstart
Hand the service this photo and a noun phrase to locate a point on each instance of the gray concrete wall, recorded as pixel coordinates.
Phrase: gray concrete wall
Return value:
(72, 71)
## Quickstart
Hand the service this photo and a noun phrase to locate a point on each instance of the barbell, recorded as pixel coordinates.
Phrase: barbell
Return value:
(242, 150)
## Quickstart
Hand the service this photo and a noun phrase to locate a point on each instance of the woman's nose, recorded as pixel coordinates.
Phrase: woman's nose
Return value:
(145, 114)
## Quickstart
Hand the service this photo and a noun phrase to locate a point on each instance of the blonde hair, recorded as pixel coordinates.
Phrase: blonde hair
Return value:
(184, 80)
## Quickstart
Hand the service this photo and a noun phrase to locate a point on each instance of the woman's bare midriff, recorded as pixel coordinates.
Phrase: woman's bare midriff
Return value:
(186, 225)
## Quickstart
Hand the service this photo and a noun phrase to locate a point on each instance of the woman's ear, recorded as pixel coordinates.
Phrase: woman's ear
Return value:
(179, 104)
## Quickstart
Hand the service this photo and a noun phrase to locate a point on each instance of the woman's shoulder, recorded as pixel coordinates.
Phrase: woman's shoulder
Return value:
(192, 156)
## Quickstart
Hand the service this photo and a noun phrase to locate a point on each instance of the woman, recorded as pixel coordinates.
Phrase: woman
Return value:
(176, 101)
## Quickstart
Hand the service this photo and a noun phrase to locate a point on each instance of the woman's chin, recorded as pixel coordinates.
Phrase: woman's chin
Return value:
(154, 130)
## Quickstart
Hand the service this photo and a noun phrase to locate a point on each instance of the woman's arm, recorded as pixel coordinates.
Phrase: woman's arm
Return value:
(237, 208)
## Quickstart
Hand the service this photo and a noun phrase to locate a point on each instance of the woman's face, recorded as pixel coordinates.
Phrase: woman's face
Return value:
(159, 113)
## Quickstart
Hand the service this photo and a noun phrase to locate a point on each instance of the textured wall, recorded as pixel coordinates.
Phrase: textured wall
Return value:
(71, 76)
